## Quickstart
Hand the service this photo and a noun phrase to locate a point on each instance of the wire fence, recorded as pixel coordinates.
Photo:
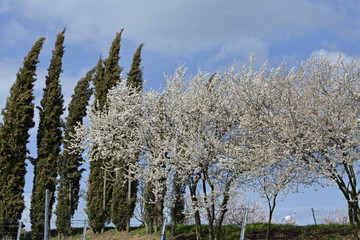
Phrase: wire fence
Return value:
(309, 216)
(296, 216)
(78, 228)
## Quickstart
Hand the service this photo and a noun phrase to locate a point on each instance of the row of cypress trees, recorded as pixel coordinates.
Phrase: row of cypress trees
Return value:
(51, 167)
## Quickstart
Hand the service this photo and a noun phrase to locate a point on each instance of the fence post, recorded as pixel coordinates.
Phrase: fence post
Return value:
(243, 225)
(46, 225)
(163, 230)
(313, 213)
(84, 230)
(19, 231)
(104, 200)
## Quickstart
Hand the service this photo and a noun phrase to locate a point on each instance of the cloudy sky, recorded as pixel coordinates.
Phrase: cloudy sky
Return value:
(205, 34)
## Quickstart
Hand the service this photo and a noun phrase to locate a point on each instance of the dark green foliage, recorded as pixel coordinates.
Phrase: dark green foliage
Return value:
(106, 77)
(122, 210)
(94, 198)
(48, 141)
(112, 69)
(119, 203)
(178, 206)
(18, 117)
(100, 91)
(69, 163)
(108, 74)
(135, 75)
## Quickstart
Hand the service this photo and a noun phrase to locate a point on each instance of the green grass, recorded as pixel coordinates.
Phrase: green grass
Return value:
(258, 230)
(232, 232)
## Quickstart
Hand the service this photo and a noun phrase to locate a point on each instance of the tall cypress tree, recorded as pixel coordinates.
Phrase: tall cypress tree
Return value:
(107, 76)
(125, 192)
(94, 196)
(48, 141)
(107, 73)
(120, 208)
(18, 117)
(135, 75)
(99, 86)
(69, 163)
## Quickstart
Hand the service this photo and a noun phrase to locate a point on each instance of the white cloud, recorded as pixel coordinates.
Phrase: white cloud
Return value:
(183, 27)
(332, 55)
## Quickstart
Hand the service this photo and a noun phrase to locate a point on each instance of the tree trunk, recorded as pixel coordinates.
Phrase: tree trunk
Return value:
(210, 211)
(271, 211)
(224, 203)
(198, 225)
(129, 202)
(211, 228)
(222, 215)
(173, 228)
(351, 195)
(353, 212)
(197, 213)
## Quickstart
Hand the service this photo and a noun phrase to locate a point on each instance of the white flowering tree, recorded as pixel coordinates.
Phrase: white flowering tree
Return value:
(273, 171)
(316, 124)
(338, 216)
(323, 125)
(186, 128)
(205, 121)
(236, 210)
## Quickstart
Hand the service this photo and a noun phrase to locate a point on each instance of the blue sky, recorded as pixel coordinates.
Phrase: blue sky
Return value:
(205, 34)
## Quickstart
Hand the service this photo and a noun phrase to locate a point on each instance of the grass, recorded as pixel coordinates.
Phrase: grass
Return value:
(254, 231)
(278, 231)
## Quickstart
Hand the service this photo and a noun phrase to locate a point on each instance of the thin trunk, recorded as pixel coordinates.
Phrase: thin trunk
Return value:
(198, 225)
(271, 211)
(353, 219)
(353, 202)
(223, 211)
(70, 201)
(173, 228)
(210, 213)
(129, 202)
(197, 213)
(156, 226)
(104, 201)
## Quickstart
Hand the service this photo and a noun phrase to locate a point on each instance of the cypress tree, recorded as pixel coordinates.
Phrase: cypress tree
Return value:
(107, 76)
(135, 75)
(99, 86)
(94, 194)
(48, 141)
(69, 163)
(178, 205)
(107, 73)
(18, 117)
(122, 208)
